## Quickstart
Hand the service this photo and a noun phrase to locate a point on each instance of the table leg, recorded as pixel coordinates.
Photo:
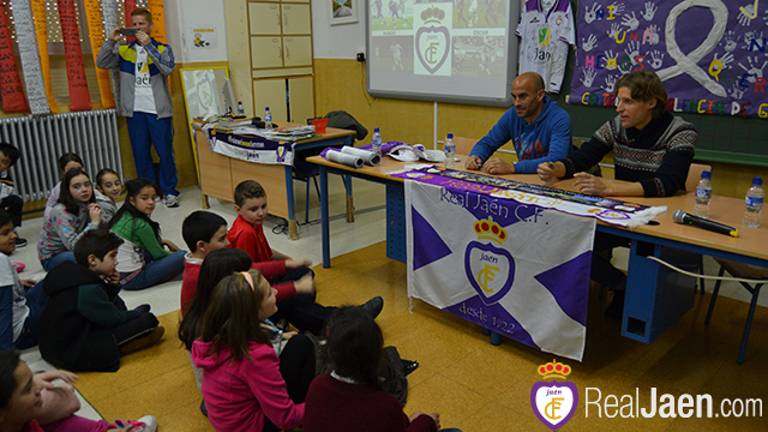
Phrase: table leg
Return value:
(324, 221)
(206, 204)
(293, 225)
(495, 339)
(350, 201)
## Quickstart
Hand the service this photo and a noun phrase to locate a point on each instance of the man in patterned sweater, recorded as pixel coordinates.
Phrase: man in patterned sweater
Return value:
(653, 151)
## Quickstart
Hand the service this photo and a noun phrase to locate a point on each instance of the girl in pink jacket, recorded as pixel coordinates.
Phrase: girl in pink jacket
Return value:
(242, 386)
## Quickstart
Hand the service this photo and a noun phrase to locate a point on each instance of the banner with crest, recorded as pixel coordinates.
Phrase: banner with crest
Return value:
(517, 269)
(712, 55)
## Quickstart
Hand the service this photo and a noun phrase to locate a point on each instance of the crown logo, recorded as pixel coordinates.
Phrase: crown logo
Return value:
(554, 369)
(487, 229)
(433, 12)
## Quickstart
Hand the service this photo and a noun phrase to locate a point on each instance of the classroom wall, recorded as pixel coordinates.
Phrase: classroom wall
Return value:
(340, 83)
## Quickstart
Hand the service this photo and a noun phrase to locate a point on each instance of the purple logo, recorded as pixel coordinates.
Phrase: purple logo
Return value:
(554, 402)
(490, 270)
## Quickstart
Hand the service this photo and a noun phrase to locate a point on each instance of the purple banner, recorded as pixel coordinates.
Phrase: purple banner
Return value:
(711, 55)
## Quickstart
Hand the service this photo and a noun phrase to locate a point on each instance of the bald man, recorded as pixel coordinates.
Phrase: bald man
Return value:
(539, 129)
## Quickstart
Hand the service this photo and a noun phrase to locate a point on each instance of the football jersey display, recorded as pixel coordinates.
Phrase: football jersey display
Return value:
(546, 30)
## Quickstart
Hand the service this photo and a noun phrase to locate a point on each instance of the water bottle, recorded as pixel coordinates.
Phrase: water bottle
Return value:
(450, 151)
(754, 203)
(703, 194)
(267, 118)
(376, 142)
(240, 108)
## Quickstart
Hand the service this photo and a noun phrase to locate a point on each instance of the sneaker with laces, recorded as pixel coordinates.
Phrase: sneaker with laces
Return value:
(171, 201)
(147, 423)
(20, 242)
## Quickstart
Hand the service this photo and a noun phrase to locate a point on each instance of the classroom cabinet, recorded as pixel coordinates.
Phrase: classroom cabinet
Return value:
(279, 35)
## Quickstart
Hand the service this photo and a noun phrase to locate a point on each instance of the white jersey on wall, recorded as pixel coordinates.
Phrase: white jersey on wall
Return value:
(546, 29)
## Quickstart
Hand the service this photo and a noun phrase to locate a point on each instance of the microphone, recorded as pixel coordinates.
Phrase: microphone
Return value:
(684, 218)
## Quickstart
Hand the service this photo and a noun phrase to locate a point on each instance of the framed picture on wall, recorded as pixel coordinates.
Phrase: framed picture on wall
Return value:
(344, 11)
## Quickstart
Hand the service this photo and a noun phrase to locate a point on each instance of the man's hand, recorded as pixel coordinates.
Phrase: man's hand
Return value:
(292, 263)
(305, 285)
(113, 278)
(550, 172)
(27, 283)
(473, 163)
(116, 35)
(143, 38)
(497, 166)
(588, 184)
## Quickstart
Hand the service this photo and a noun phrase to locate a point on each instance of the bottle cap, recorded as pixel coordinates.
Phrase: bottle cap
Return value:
(376, 130)
(757, 181)
(450, 135)
(706, 175)
(266, 108)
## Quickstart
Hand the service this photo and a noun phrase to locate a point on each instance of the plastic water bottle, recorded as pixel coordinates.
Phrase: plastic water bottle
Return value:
(704, 194)
(450, 151)
(267, 118)
(376, 142)
(240, 109)
(754, 203)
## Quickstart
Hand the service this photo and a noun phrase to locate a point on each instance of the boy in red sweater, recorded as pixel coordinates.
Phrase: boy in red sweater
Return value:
(205, 232)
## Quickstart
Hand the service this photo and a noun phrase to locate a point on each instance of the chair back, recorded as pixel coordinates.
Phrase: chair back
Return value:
(694, 175)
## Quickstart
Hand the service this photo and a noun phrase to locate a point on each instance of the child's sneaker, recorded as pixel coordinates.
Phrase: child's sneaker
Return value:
(171, 201)
(147, 423)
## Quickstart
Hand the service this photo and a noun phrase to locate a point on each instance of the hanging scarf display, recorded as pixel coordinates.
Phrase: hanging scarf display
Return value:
(128, 7)
(41, 35)
(79, 98)
(30, 60)
(111, 16)
(10, 82)
(96, 36)
(157, 7)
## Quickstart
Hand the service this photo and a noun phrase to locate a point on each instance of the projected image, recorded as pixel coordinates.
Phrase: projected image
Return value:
(393, 54)
(478, 56)
(389, 15)
(479, 13)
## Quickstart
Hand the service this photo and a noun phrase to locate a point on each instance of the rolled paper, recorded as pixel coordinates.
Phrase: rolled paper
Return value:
(80, 99)
(26, 41)
(369, 157)
(11, 88)
(344, 158)
(96, 34)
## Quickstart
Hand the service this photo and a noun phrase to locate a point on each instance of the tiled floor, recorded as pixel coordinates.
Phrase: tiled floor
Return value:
(475, 385)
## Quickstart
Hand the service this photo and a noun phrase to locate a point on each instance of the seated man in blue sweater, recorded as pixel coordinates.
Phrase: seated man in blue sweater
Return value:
(539, 129)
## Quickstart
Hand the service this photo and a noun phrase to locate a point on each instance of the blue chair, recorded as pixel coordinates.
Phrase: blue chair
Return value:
(743, 271)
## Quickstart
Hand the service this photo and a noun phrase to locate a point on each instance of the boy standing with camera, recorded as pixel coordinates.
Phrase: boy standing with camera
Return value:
(144, 98)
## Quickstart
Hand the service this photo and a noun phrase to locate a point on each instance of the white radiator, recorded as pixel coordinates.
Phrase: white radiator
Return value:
(42, 139)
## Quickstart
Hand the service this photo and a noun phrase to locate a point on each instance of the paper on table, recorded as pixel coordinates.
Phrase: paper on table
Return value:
(344, 158)
(369, 157)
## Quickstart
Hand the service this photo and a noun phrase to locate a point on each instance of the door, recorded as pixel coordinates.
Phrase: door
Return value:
(266, 52)
(301, 98)
(270, 93)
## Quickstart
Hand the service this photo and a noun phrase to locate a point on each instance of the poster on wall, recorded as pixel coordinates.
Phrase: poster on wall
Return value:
(712, 55)
(203, 37)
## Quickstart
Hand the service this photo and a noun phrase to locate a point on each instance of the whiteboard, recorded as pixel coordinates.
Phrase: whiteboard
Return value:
(462, 51)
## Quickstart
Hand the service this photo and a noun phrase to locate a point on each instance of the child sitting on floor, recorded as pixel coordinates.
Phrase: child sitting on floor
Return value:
(109, 187)
(20, 307)
(76, 213)
(10, 201)
(22, 398)
(205, 232)
(143, 260)
(86, 325)
(244, 358)
(66, 162)
(350, 398)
